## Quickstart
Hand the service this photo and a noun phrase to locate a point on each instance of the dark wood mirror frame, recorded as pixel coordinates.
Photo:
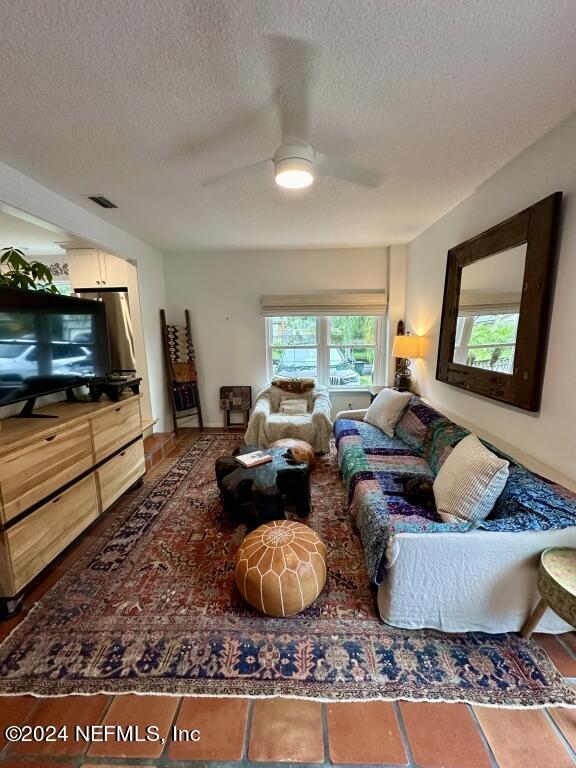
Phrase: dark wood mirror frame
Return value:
(536, 226)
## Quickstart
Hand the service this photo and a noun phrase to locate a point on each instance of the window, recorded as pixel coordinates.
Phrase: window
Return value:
(487, 341)
(340, 351)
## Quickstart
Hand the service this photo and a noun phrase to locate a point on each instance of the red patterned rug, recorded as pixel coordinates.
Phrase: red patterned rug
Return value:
(153, 608)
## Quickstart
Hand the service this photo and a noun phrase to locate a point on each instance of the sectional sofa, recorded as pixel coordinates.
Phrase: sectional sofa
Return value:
(454, 577)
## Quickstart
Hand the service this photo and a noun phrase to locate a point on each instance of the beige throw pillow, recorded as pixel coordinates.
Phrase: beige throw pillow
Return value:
(293, 406)
(386, 410)
(469, 482)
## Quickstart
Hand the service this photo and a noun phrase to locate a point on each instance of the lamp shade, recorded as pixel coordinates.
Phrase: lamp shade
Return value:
(407, 346)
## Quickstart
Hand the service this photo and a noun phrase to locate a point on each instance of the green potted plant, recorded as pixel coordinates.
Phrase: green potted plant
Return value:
(17, 272)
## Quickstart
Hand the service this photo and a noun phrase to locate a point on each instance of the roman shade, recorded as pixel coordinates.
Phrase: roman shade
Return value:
(488, 303)
(488, 309)
(330, 303)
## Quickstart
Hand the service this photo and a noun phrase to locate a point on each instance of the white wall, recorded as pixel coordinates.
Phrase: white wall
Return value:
(22, 192)
(549, 436)
(222, 291)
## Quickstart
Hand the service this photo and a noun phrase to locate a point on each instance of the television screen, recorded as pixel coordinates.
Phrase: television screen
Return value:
(48, 343)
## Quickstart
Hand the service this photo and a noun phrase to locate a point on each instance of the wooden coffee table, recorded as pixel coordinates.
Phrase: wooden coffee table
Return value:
(266, 492)
(557, 587)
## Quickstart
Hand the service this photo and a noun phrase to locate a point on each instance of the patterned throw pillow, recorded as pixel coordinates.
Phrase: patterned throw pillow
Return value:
(469, 482)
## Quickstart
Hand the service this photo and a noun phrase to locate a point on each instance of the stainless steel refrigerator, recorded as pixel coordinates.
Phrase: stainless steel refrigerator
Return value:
(119, 325)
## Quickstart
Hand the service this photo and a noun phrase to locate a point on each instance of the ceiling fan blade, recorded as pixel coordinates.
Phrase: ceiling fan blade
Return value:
(292, 65)
(243, 170)
(356, 174)
(236, 123)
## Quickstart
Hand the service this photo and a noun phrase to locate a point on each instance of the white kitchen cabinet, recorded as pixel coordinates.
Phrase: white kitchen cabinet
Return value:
(84, 268)
(115, 271)
(92, 268)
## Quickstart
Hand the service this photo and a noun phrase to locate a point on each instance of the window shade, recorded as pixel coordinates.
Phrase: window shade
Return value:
(335, 303)
(487, 309)
(488, 303)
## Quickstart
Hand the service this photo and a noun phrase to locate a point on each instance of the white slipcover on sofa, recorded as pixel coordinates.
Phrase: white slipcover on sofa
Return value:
(478, 580)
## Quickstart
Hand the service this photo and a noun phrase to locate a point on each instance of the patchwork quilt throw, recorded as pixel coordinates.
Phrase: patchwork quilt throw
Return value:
(152, 607)
(374, 466)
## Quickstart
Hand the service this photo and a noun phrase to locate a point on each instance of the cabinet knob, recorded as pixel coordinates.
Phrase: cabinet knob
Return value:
(52, 437)
(97, 282)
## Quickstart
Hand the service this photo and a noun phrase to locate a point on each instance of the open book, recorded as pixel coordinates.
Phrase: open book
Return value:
(253, 459)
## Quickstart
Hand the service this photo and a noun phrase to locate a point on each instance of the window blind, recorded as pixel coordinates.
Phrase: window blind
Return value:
(330, 303)
(488, 303)
(488, 309)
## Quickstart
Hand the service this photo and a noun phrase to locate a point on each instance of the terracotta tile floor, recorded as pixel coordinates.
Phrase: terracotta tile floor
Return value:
(157, 447)
(269, 731)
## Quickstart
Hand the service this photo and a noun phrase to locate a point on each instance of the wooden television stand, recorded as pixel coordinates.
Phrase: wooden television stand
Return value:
(57, 476)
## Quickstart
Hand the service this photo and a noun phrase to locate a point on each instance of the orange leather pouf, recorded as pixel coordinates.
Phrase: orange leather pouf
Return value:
(300, 449)
(281, 567)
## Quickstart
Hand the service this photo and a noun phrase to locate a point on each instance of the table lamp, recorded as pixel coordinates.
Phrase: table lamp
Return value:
(405, 347)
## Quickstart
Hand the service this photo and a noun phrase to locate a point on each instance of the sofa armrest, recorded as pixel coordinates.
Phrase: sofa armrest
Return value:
(357, 415)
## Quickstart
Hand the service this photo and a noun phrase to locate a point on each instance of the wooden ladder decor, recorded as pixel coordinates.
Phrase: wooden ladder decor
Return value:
(181, 372)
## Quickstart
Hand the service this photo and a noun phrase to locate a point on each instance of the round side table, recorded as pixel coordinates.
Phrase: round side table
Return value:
(557, 587)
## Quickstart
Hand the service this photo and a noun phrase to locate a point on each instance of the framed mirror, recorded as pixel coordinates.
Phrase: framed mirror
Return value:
(497, 306)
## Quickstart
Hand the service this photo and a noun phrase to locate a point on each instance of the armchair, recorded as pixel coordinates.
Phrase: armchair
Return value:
(267, 425)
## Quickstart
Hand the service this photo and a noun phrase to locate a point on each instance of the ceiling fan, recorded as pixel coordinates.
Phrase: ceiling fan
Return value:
(296, 164)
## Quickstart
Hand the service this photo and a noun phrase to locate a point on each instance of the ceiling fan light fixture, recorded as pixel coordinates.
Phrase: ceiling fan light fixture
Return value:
(294, 173)
(294, 166)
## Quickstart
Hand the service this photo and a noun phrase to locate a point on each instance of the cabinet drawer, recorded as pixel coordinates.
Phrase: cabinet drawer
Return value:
(30, 474)
(36, 540)
(115, 428)
(119, 473)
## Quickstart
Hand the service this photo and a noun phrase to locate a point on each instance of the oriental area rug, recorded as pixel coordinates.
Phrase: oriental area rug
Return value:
(153, 608)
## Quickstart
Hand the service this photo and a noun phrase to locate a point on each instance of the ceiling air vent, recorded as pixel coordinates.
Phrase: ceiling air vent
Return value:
(102, 201)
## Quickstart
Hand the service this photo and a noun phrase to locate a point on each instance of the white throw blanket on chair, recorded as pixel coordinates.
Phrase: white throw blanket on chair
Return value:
(267, 425)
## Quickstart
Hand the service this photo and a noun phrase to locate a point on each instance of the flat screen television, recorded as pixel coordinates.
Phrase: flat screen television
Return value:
(48, 343)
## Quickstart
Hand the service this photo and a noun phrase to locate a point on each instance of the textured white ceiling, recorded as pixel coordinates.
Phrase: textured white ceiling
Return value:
(142, 100)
